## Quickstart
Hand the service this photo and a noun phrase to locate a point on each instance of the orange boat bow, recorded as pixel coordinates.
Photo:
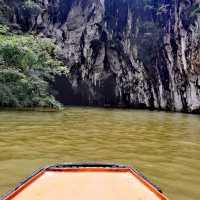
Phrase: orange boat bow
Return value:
(86, 182)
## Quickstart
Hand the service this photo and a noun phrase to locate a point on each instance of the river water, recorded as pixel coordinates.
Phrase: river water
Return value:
(164, 146)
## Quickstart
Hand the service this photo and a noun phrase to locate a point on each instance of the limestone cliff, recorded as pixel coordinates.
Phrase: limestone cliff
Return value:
(132, 53)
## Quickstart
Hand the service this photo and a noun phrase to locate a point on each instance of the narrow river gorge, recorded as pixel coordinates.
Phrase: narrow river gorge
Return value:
(164, 146)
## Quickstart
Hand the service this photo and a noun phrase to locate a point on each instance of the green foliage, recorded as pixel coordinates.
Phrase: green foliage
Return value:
(31, 7)
(19, 57)
(3, 12)
(27, 66)
(3, 29)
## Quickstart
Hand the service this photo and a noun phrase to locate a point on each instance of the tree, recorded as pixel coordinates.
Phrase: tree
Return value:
(27, 66)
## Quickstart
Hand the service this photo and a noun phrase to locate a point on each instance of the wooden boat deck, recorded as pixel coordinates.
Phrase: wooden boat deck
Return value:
(87, 184)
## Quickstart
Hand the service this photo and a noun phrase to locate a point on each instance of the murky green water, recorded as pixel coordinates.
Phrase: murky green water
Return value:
(164, 146)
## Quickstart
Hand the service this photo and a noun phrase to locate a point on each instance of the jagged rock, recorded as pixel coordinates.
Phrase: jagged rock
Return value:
(124, 53)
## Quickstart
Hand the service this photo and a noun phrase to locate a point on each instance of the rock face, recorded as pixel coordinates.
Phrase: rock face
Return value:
(134, 53)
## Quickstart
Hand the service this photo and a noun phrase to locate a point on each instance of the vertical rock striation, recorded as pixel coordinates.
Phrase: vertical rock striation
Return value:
(140, 54)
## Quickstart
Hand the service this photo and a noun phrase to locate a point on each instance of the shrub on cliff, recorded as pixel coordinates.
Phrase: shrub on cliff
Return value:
(27, 66)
